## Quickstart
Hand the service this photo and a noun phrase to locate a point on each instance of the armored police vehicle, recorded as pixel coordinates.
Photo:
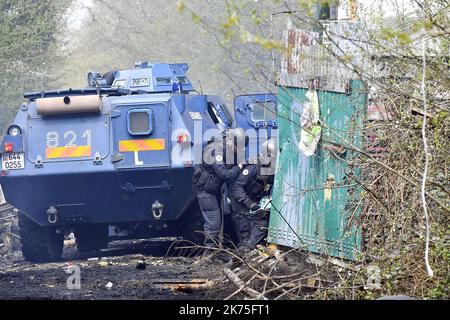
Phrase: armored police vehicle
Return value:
(114, 159)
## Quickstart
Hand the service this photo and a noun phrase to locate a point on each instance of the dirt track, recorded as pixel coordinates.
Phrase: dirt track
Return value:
(133, 271)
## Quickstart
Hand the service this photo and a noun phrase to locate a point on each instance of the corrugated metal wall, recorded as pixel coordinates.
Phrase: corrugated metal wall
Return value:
(316, 203)
(311, 55)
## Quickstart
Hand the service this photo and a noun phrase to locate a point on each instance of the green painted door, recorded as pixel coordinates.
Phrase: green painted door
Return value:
(316, 200)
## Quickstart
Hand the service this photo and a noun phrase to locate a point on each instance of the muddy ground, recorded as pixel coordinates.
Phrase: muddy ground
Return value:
(126, 270)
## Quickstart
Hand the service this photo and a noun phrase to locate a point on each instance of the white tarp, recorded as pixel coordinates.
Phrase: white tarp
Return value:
(311, 129)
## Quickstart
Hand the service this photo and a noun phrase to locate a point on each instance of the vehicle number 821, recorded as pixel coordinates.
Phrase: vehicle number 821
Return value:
(68, 139)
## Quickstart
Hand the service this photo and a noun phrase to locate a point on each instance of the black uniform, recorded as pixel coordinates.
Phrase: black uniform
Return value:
(208, 179)
(247, 190)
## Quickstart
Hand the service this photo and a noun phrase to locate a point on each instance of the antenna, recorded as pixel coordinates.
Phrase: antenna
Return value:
(201, 88)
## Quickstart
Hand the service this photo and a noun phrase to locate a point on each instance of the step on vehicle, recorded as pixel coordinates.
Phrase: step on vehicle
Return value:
(113, 160)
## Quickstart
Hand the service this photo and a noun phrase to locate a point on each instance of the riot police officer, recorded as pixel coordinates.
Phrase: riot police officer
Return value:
(236, 141)
(208, 179)
(251, 185)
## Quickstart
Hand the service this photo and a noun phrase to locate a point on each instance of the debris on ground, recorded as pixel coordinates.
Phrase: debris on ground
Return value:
(9, 230)
(271, 273)
(109, 285)
(186, 285)
(141, 265)
(115, 273)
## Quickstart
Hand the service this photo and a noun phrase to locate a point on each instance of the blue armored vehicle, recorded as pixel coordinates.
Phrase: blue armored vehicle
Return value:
(114, 159)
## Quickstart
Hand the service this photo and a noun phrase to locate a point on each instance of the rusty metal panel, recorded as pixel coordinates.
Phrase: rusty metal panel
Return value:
(316, 203)
(312, 55)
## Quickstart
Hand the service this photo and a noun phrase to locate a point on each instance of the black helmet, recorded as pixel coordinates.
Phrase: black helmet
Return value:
(268, 153)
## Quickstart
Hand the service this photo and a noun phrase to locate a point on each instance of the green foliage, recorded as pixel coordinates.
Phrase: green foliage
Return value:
(403, 38)
(28, 31)
(397, 236)
(118, 33)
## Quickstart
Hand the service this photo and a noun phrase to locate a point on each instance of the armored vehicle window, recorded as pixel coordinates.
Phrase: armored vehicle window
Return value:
(227, 119)
(121, 83)
(163, 81)
(141, 82)
(212, 113)
(220, 114)
(140, 122)
(182, 80)
(263, 111)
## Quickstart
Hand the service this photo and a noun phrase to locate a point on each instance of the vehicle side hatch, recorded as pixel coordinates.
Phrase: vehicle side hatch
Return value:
(141, 142)
(257, 115)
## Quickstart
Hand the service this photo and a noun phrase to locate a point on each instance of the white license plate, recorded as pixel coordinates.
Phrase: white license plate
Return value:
(13, 161)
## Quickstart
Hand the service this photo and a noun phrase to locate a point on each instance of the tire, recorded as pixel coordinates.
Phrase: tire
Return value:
(39, 244)
(91, 237)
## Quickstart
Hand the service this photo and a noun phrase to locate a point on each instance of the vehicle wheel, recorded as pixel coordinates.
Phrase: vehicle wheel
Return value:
(91, 237)
(39, 244)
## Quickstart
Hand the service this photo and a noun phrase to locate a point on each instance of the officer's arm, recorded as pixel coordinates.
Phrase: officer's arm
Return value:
(224, 174)
(238, 190)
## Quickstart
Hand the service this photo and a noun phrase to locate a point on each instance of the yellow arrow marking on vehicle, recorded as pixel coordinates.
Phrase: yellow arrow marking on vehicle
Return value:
(68, 152)
(142, 145)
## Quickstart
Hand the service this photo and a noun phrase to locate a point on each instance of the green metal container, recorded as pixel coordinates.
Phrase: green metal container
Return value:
(316, 200)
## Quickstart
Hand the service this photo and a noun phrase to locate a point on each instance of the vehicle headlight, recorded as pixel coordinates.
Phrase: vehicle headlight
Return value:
(14, 131)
